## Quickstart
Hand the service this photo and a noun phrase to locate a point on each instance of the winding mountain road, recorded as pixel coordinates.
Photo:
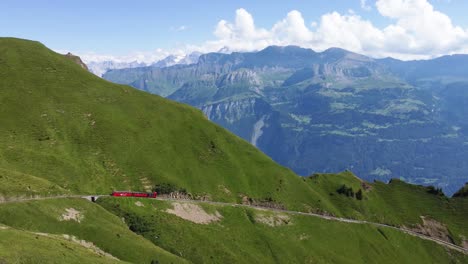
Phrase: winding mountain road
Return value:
(326, 217)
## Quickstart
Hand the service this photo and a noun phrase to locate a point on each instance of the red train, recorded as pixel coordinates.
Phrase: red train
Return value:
(134, 194)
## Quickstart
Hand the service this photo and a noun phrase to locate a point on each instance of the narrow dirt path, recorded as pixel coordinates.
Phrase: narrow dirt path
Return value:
(331, 218)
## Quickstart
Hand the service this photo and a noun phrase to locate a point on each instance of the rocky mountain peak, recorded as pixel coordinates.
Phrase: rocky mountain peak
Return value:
(77, 60)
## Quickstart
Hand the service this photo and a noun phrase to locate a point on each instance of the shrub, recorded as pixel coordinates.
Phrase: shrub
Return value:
(348, 191)
(164, 188)
(359, 194)
(167, 188)
(435, 191)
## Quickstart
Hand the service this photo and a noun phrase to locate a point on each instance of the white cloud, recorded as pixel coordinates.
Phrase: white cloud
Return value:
(137, 56)
(417, 31)
(292, 29)
(365, 5)
(180, 28)
(425, 30)
(240, 35)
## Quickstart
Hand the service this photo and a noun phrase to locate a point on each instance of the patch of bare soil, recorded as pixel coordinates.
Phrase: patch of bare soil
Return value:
(273, 219)
(41, 234)
(178, 196)
(432, 228)
(366, 186)
(194, 213)
(203, 197)
(89, 245)
(139, 204)
(71, 214)
(267, 203)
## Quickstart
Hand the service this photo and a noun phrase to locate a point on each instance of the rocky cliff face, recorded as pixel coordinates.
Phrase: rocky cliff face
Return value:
(243, 77)
(251, 118)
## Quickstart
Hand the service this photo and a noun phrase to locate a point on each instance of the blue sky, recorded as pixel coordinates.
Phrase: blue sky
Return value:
(120, 28)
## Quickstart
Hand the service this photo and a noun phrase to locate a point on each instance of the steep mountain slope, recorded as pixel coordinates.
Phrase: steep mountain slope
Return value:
(67, 130)
(85, 224)
(42, 248)
(331, 111)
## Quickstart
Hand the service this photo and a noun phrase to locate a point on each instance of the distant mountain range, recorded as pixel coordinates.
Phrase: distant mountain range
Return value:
(332, 110)
(101, 67)
(181, 59)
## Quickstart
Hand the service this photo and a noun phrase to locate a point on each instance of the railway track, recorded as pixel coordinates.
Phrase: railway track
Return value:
(326, 217)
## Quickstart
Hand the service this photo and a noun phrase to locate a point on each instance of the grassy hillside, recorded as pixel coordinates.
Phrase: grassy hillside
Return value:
(396, 203)
(66, 130)
(17, 246)
(85, 221)
(241, 235)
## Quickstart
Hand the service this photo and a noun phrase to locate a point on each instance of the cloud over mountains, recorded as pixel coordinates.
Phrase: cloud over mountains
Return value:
(417, 31)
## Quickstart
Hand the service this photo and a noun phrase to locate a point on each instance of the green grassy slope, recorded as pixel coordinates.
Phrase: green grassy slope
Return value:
(68, 130)
(397, 203)
(18, 246)
(95, 225)
(241, 237)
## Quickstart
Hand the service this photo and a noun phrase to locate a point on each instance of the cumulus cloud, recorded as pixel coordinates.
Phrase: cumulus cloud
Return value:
(240, 35)
(425, 30)
(416, 31)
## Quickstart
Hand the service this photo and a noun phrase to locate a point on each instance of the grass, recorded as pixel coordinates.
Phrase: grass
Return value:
(397, 203)
(17, 246)
(240, 237)
(98, 226)
(13, 184)
(67, 129)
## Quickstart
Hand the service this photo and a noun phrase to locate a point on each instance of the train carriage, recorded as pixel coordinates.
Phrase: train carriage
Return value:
(134, 194)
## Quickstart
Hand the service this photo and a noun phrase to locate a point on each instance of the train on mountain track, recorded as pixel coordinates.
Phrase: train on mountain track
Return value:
(134, 194)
